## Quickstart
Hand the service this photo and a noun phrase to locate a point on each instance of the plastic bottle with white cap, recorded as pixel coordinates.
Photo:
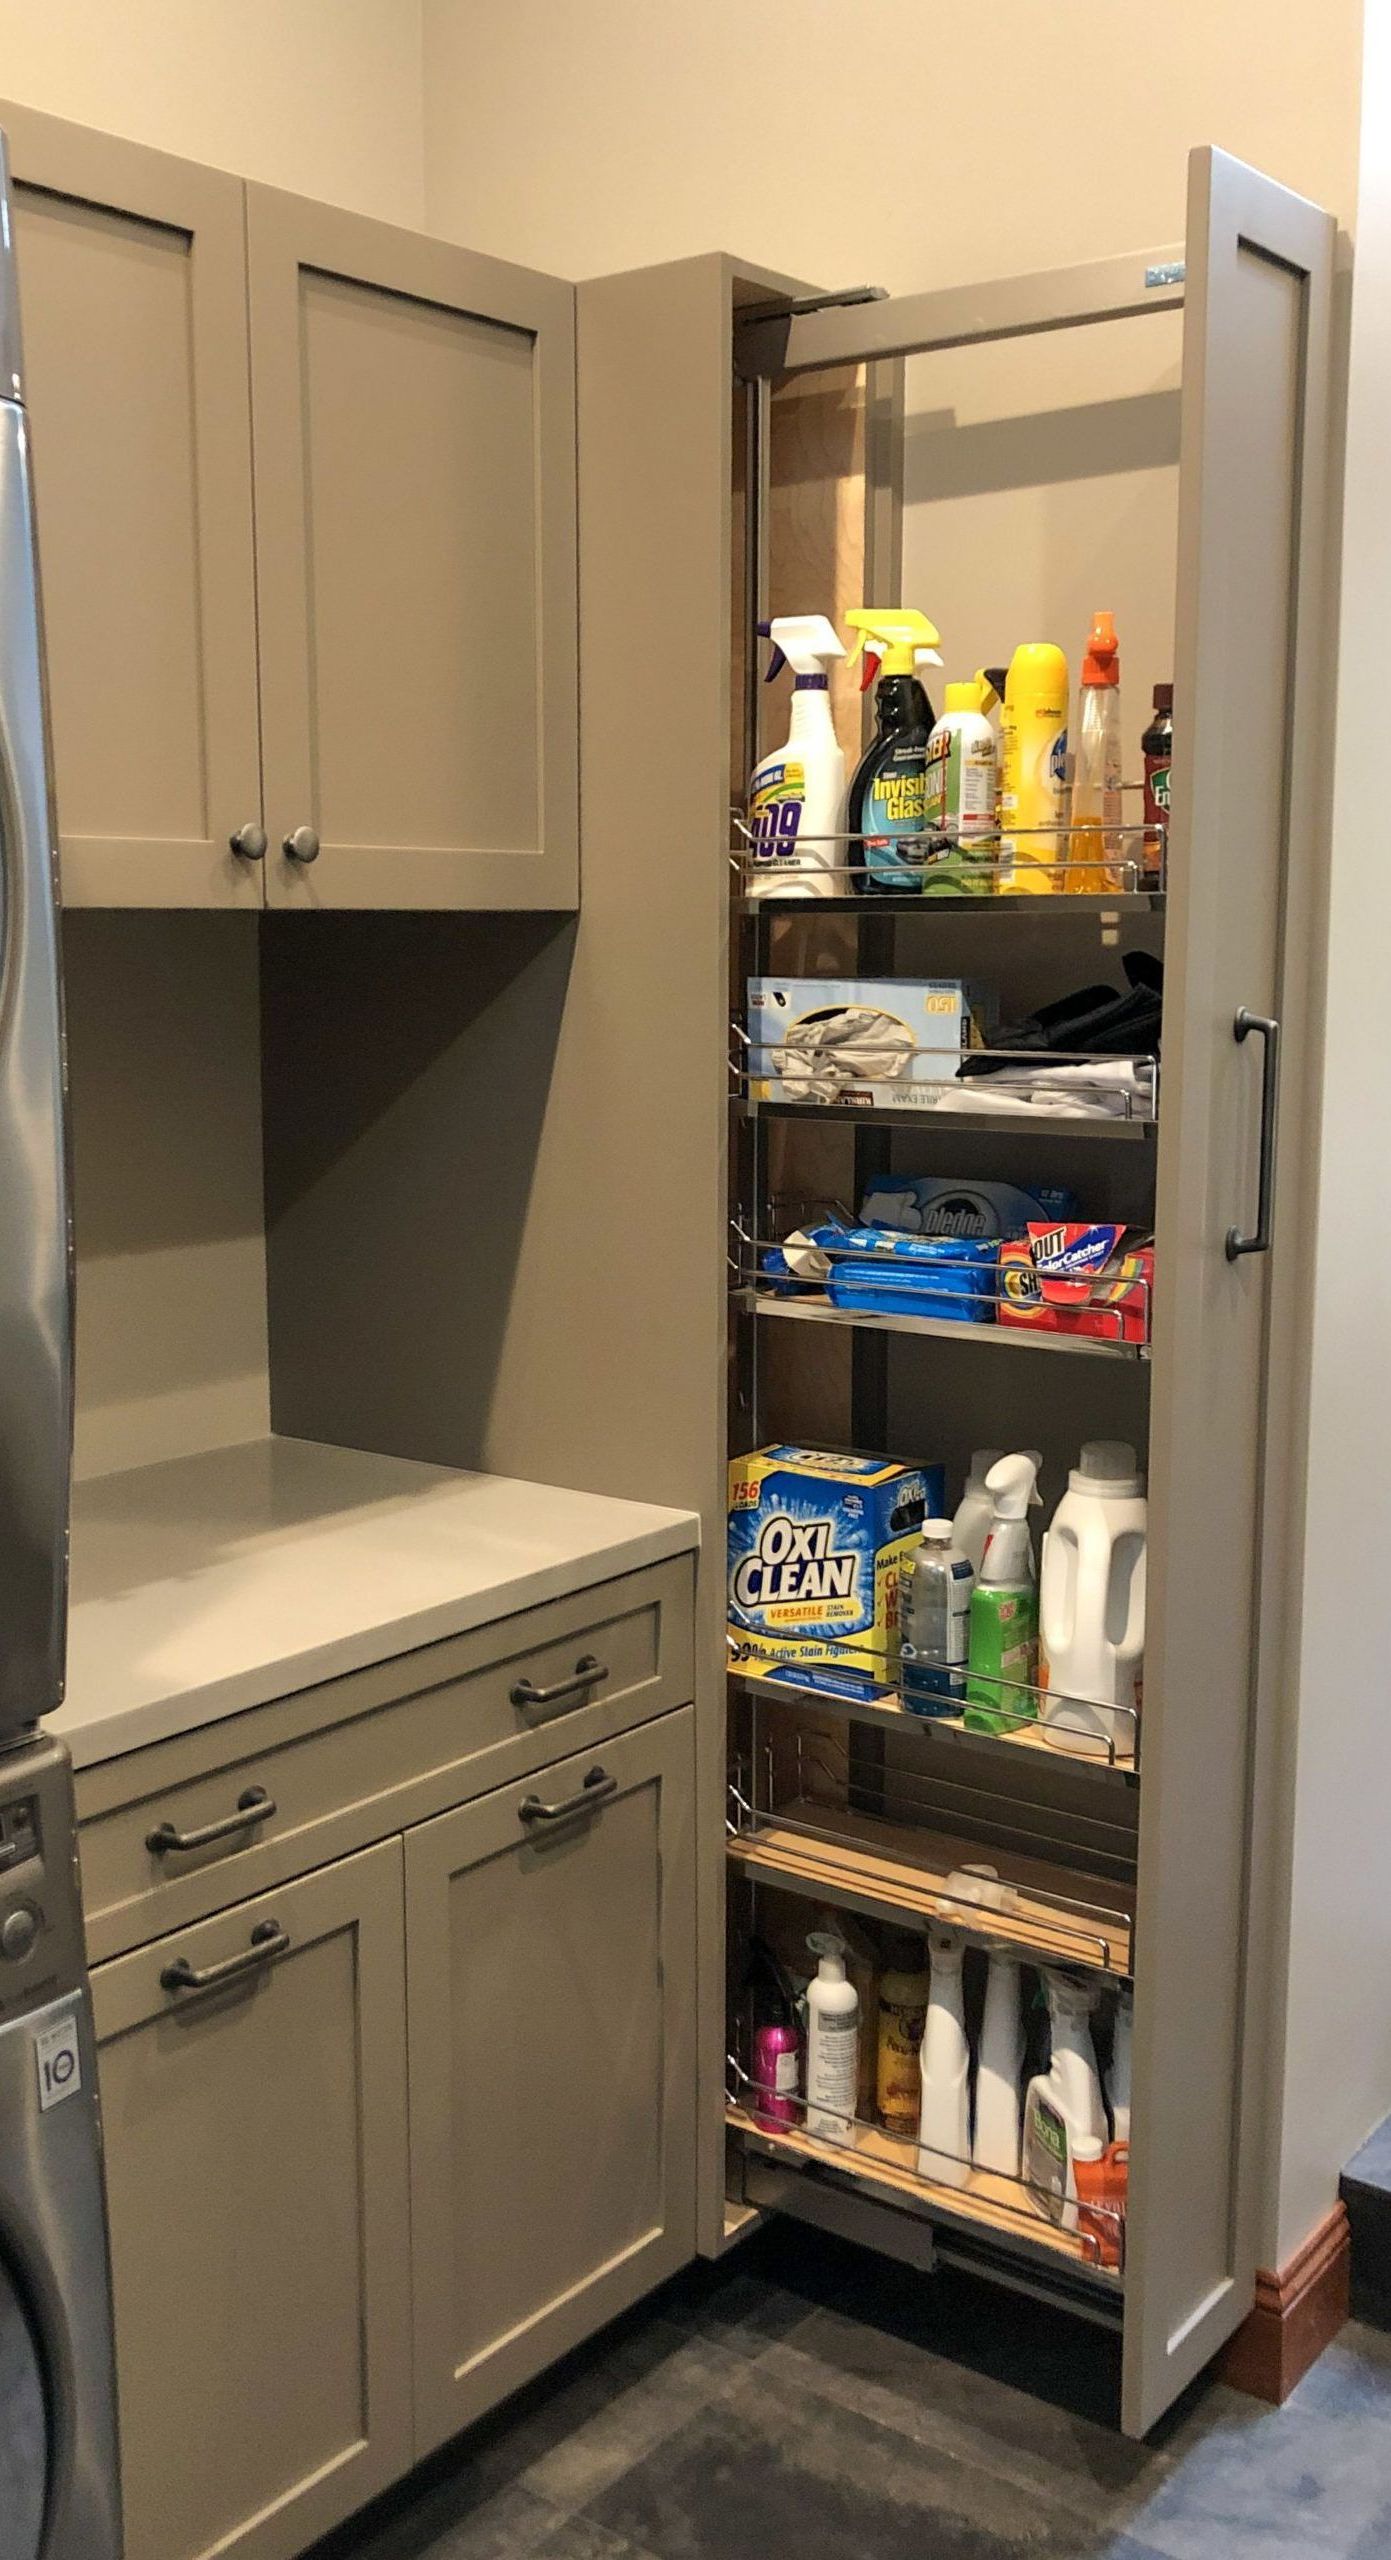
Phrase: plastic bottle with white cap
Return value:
(1092, 1605)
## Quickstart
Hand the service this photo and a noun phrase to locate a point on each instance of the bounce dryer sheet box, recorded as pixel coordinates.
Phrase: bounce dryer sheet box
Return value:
(882, 1043)
(817, 1543)
(1097, 1281)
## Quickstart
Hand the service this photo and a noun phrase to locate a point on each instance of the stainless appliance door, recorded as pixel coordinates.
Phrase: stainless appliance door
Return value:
(54, 2262)
(35, 1235)
(24, 2426)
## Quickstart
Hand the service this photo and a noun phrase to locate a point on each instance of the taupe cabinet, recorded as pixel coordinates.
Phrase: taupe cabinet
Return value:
(387, 2136)
(306, 492)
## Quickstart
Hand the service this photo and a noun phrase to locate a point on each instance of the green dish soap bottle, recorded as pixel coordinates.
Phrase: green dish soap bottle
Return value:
(1002, 1658)
(887, 808)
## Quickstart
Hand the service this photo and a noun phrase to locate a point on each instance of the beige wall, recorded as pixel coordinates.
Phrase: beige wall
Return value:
(319, 95)
(1337, 2044)
(867, 140)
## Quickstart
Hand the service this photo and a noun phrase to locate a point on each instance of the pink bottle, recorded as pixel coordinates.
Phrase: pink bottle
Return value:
(777, 2044)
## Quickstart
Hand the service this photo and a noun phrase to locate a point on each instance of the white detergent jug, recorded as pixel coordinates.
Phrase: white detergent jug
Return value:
(1092, 1605)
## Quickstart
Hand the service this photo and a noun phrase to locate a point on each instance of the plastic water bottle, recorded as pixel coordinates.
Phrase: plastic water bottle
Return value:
(934, 1624)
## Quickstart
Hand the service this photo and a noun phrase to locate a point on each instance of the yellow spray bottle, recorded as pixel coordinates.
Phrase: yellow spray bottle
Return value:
(887, 807)
(1033, 768)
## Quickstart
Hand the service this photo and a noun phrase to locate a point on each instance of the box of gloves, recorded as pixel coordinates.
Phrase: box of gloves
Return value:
(881, 1043)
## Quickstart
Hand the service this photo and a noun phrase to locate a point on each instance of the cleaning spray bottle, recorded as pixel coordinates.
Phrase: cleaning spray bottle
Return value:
(999, 2069)
(1002, 1663)
(797, 794)
(1033, 768)
(962, 790)
(1118, 2077)
(944, 2129)
(887, 807)
(976, 1509)
(1095, 846)
(1063, 2105)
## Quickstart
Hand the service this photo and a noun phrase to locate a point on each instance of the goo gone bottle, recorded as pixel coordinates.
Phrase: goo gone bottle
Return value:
(887, 809)
(796, 794)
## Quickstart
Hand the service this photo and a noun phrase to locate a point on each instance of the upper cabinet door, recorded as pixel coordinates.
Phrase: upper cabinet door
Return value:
(414, 432)
(133, 292)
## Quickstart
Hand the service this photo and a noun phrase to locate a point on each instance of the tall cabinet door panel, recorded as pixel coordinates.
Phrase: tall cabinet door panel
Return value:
(133, 291)
(551, 1959)
(414, 423)
(1244, 864)
(256, 2169)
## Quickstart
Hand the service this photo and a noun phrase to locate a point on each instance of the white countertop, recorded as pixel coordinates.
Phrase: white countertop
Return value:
(213, 1583)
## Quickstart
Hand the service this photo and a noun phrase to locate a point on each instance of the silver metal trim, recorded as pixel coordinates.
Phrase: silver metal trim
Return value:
(11, 335)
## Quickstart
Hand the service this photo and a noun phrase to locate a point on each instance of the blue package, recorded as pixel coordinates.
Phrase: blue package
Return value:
(928, 1205)
(876, 1272)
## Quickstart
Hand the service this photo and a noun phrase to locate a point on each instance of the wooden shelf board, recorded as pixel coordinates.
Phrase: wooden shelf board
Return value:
(886, 2162)
(879, 1865)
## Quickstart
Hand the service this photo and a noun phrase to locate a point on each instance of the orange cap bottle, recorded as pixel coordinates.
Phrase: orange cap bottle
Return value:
(1102, 663)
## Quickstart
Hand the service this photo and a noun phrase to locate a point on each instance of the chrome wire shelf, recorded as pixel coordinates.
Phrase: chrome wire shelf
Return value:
(1023, 869)
(867, 1687)
(1093, 2234)
(1076, 1092)
(807, 1278)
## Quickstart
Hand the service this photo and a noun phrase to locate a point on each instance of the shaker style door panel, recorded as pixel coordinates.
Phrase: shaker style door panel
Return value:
(133, 298)
(255, 2133)
(550, 1964)
(1243, 860)
(414, 424)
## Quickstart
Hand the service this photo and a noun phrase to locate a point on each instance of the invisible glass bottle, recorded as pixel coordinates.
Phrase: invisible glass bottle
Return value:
(934, 1624)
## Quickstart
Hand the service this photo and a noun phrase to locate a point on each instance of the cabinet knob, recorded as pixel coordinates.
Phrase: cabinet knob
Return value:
(250, 842)
(302, 846)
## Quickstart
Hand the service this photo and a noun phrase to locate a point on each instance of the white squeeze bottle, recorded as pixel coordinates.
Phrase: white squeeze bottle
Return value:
(797, 794)
(833, 2047)
(976, 1509)
(944, 2126)
(1092, 1605)
(999, 2070)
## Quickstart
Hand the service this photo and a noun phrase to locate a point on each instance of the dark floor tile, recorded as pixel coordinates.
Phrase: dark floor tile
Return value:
(736, 2303)
(771, 2470)
(445, 2521)
(1265, 2484)
(581, 2538)
(1351, 2378)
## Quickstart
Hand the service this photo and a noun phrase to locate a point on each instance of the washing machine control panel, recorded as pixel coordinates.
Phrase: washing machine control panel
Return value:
(21, 1832)
(40, 1915)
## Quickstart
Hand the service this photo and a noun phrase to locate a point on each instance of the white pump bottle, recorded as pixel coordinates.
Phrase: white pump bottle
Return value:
(797, 793)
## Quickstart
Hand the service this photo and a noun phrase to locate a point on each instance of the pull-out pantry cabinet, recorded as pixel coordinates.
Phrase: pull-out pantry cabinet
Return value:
(1162, 1867)
(306, 497)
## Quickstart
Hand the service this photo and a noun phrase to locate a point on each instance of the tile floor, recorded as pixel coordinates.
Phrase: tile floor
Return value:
(808, 2402)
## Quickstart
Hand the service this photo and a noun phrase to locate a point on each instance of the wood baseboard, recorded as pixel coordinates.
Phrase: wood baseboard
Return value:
(1298, 2311)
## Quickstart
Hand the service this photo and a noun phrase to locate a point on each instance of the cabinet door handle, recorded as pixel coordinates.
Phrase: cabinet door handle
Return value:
(268, 1940)
(1246, 1022)
(587, 1674)
(254, 1807)
(597, 1789)
(302, 846)
(250, 842)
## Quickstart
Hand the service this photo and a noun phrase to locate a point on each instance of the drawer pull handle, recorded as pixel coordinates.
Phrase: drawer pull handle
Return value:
(268, 1940)
(254, 1806)
(587, 1674)
(597, 1789)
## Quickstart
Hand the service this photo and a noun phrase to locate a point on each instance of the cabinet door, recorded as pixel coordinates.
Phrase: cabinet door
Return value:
(133, 288)
(1243, 931)
(414, 425)
(551, 1985)
(257, 2180)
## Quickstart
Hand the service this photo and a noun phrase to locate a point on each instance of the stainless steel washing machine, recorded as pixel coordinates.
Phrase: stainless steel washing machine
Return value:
(58, 2479)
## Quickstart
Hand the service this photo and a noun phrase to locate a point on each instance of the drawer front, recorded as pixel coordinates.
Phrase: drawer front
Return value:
(287, 1787)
